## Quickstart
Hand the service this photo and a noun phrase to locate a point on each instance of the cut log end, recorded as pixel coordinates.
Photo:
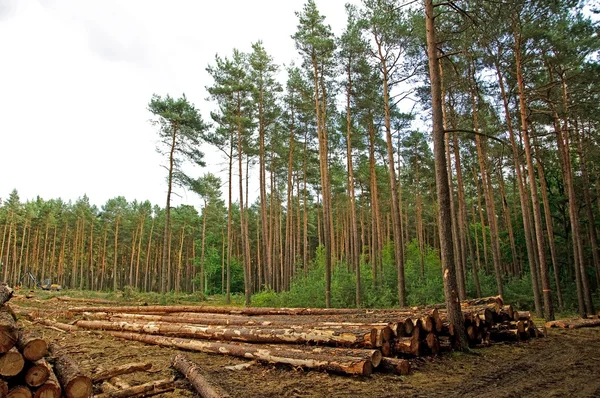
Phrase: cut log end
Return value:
(19, 392)
(11, 363)
(79, 387)
(37, 375)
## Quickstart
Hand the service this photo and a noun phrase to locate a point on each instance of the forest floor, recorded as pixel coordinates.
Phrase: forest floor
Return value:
(565, 363)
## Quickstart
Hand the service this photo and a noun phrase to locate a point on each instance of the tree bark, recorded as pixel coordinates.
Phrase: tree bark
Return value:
(74, 383)
(443, 192)
(8, 329)
(193, 373)
(106, 374)
(341, 364)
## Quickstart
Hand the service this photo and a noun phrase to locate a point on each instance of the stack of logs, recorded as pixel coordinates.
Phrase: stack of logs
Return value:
(24, 370)
(347, 341)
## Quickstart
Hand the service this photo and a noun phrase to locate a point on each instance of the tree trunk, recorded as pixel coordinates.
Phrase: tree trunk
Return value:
(537, 217)
(443, 191)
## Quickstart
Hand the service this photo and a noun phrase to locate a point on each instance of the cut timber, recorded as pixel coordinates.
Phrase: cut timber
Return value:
(407, 346)
(19, 392)
(5, 293)
(56, 325)
(193, 373)
(573, 323)
(341, 337)
(108, 388)
(32, 346)
(395, 366)
(11, 363)
(121, 370)
(84, 300)
(8, 329)
(341, 364)
(219, 310)
(38, 373)
(143, 390)
(3, 388)
(74, 383)
(50, 389)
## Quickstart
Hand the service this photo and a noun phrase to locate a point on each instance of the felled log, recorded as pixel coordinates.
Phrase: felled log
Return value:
(8, 329)
(573, 323)
(342, 337)
(37, 373)
(270, 354)
(219, 310)
(107, 387)
(19, 392)
(56, 325)
(3, 388)
(32, 346)
(120, 370)
(5, 293)
(84, 300)
(193, 373)
(74, 382)
(373, 355)
(11, 363)
(395, 365)
(407, 346)
(51, 387)
(143, 390)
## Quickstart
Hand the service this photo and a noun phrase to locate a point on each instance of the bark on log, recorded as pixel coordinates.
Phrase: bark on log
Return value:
(56, 325)
(5, 293)
(220, 310)
(3, 388)
(342, 337)
(395, 365)
(342, 364)
(19, 392)
(193, 373)
(8, 329)
(74, 382)
(120, 370)
(106, 387)
(143, 390)
(38, 373)
(32, 346)
(11, 363)
(573, 323)
(50, 389)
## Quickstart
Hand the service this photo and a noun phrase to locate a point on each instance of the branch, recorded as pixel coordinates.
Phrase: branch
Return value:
(476, 133)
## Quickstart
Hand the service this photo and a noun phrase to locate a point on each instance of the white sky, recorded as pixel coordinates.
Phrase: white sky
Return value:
(76, 77)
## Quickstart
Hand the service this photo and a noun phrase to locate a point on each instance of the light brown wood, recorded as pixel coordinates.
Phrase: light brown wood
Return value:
(32, 346)
(341, 337)
(50, 389)
(193, 373)
(120, 370)
(142, 390)
(11, 363)
(271, 354)
(74, 382)
(19, 392)
(37, 373)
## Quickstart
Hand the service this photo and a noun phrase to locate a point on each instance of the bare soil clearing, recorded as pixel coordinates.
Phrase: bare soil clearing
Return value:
(565, 363)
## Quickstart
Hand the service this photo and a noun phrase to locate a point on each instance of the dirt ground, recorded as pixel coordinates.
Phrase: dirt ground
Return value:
(565, 363)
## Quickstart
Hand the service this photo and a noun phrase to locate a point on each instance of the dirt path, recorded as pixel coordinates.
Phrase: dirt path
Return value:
(566, 363)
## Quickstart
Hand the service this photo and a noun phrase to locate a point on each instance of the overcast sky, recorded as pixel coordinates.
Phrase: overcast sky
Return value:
(76, 77)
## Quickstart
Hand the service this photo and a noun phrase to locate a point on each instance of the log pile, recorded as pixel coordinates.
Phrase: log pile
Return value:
(25, 367)
(346, 341)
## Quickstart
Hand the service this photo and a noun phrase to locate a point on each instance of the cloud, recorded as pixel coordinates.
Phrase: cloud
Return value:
(7, 8)
(113, 32)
